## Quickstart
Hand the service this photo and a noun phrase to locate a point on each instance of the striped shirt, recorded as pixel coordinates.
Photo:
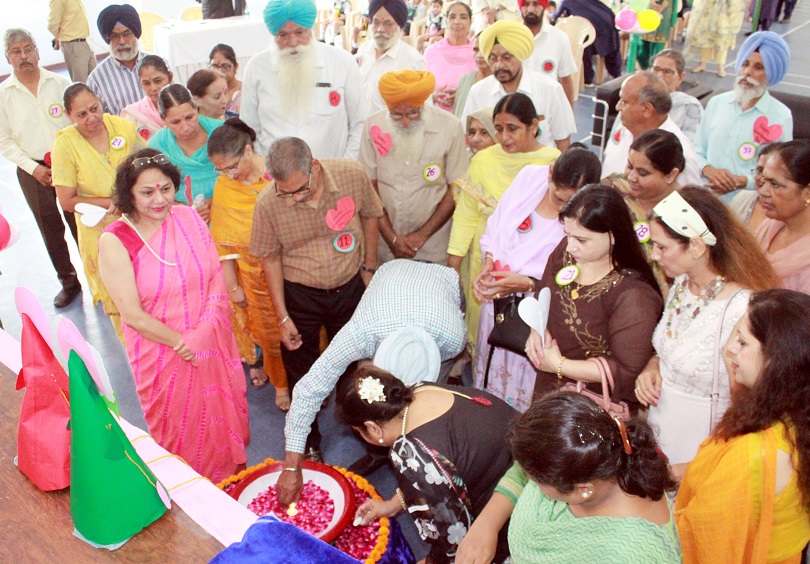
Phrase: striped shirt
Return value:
(116, 85)
(402, 293)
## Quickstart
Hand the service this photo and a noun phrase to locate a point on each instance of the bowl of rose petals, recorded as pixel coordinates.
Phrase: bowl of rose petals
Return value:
(326, 506)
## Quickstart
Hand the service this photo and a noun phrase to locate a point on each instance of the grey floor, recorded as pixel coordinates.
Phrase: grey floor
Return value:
(27, 261)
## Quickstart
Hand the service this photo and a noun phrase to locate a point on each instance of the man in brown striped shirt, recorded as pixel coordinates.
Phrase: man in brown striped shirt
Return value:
(315, 228)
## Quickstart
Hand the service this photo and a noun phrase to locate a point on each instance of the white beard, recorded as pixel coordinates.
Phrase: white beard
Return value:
(297, 74)
(407, 143)
(744, 96)
(384, 44)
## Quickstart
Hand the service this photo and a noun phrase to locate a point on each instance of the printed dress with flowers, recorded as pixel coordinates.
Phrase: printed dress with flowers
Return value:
(448, 468)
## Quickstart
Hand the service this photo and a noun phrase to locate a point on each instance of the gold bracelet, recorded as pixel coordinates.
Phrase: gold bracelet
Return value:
(531, 285)
(402, 500)
(559, 368)
(235, 288)
(291, 469)
(283, 321)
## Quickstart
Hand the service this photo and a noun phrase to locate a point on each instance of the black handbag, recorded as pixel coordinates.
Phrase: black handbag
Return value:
(509, 332)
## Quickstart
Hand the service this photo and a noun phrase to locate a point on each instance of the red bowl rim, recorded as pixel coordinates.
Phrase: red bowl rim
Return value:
(345, 518)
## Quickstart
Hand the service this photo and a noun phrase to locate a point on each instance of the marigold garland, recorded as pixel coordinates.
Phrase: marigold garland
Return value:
(385, 525)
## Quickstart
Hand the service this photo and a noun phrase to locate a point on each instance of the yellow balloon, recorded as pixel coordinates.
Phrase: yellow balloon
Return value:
(649, 20)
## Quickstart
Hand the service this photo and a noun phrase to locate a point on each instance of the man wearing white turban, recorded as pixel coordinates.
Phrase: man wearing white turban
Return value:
(505, 45)
(735, 124)
(302, 88)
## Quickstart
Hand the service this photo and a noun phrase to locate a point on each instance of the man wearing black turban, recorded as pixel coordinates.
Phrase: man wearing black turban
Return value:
(115, 81)
(385, 51)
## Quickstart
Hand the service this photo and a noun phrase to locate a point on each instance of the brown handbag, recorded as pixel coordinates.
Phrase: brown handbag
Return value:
(620, 409)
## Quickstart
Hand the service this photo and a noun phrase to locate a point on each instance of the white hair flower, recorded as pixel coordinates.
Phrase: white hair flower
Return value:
(371, 389)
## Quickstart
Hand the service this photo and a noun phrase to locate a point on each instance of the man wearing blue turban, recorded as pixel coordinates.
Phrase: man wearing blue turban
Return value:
(302, 88)
(736, 124)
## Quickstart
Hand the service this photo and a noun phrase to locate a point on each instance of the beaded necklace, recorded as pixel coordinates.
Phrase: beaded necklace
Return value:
(148, 247)
(675, 307)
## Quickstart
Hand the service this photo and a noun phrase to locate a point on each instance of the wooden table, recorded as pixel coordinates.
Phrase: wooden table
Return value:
(36, 526)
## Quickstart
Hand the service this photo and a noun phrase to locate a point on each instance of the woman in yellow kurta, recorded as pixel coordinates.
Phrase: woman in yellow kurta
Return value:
(491, 172)
(242, 178)
(746, 495)
(85, 157)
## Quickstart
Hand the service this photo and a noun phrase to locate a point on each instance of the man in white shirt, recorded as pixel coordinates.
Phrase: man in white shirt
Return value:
(552, 49)
(302, 88)
(644, 104)
(115, 80)
(384, 51)
(505, 45)
(687, 110)
(31, 112)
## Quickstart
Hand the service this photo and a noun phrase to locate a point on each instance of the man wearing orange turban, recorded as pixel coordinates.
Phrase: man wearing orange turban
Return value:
(412, 153)
(505, 45)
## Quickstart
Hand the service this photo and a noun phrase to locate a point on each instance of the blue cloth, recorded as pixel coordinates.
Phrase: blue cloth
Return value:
(116, 85)
(397, 8)
(402, 292)
(774, 51)
(278, 12)
(115, 14)
(197, 166)
(272, 540)
(725, 128)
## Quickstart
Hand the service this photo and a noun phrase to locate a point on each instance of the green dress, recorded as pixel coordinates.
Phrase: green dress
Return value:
(544, 530)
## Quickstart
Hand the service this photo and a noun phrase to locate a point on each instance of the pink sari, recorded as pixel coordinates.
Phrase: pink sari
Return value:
(449, 63)
(197, 412)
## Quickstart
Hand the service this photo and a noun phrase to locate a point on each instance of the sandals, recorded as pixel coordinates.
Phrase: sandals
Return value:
(699, 68)
(258, 378)
(283, 399)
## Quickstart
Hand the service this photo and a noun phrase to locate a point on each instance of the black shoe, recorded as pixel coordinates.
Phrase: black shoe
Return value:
(368, 464)
(314, 455)
(66, 296)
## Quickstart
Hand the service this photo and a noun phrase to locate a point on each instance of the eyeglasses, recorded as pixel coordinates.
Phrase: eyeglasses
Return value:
(298, 34)
(662, 70)
(28, 51)
(232, 168)
(757, 171)
(506, 58)
(412, 114)
(115, 37)
(224, 67)
(142, 162)
(301, 190)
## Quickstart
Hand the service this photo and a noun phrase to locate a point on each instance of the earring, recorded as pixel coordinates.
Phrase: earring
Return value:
(695, 257)
(381, 441)
(586, 495)
(806, 202)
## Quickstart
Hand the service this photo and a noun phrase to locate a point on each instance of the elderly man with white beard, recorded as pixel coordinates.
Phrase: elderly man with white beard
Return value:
(735, 124)
(386, 51)
(115, 80)
(412, 154)
(302, 88)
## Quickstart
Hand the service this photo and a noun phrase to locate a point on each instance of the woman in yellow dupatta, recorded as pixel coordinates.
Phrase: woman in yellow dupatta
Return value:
(491, 172)
(85, 157)
(746, 495)
(242, 178)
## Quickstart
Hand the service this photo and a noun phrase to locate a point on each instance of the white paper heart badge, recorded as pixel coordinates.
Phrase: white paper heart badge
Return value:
(534, 312)
(91, 214)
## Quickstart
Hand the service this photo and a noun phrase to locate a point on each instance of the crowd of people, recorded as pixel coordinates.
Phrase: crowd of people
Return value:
(378, 226)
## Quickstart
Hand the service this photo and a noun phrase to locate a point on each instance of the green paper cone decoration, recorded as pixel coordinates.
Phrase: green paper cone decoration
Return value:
(113, 494)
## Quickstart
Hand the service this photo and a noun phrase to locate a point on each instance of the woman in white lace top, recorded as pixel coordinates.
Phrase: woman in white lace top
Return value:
(716, 264)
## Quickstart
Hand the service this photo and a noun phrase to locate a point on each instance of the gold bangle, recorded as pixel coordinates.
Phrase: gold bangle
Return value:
(531, 285)
(559, 368)
(402, 500)
(235, 288)
(283, 321)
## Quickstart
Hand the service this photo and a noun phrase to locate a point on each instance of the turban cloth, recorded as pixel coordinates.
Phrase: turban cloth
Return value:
(397, 9)
(411, 355)
(513, 36)
(774, 51)
(407, 85)
(543, 3)
(115, 14)
(278, 12)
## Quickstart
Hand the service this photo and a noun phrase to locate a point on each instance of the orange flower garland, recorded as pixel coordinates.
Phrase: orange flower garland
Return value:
(385, 525)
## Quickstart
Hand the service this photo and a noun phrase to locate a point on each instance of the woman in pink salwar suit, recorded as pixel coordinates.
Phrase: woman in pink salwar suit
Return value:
(163, 270)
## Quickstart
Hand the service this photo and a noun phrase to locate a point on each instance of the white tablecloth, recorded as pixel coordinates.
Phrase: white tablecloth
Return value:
(186, 45)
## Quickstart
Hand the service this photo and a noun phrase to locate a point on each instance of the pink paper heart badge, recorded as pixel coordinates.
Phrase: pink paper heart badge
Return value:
(382, 141)
(764, 133)
(339, 218)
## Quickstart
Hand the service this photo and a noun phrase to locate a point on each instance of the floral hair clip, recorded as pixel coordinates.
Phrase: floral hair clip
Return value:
(371, 389)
